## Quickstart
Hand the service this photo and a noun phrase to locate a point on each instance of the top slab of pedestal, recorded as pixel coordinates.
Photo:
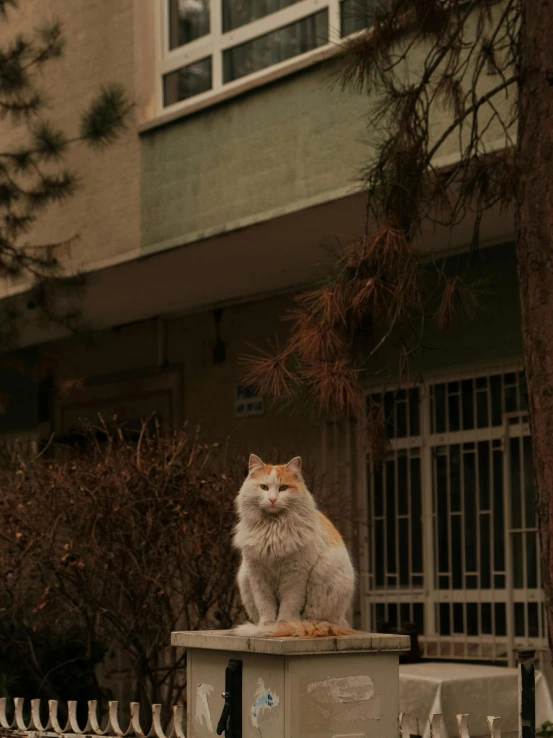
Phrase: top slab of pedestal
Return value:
(225, 640)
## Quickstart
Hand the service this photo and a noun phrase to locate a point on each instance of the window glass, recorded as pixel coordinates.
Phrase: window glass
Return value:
(187, 82)
(237, 13)
(276, 46)
(188, 20)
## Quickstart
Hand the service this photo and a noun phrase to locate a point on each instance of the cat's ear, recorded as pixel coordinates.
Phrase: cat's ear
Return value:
(254, 463)
(294, 465)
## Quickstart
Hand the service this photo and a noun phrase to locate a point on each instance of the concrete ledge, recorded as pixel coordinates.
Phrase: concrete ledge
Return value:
(225, 640)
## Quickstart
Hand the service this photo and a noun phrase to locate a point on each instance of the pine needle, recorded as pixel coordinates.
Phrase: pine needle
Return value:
(268, 373)
(315, 341)
(335, 387)
(107, 116)
(326, 303)
(458, 299)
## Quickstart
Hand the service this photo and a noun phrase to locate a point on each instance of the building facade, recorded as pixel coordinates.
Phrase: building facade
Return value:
(237, 172)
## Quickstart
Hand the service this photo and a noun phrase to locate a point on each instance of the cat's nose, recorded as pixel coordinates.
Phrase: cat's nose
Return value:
(273, 500)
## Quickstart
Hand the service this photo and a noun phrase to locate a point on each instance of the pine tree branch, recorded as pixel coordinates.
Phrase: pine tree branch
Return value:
(469, 111)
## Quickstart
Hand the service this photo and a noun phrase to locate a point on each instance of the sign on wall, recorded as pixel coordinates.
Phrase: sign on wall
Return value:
(247, 403)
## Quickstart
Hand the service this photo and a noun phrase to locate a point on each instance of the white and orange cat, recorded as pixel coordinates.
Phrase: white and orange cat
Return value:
(296, 577)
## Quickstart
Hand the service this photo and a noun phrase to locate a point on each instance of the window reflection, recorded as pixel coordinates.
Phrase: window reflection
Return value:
(284, 43)
(237, 13)
(187, 82)
(188, 20)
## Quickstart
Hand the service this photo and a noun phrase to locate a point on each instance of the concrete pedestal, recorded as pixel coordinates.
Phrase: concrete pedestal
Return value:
(296, 688)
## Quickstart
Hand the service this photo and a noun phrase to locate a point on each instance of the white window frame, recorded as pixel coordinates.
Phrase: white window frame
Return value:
(155, 20)
(428, 594)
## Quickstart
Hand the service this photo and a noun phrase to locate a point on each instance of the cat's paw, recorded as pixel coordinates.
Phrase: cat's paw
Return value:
(267, 623)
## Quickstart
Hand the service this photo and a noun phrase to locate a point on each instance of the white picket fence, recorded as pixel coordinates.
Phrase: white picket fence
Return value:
(34, 727)
(436, 726)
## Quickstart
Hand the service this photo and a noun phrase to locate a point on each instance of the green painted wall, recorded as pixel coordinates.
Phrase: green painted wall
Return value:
(493, 336)
(278, 146)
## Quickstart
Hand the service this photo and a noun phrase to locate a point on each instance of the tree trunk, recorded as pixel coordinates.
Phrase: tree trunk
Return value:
(534, 233)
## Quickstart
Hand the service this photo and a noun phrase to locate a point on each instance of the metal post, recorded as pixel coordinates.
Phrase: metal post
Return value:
(527, 693)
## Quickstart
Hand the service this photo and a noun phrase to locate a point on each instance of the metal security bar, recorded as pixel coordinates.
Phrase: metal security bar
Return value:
(452, 534)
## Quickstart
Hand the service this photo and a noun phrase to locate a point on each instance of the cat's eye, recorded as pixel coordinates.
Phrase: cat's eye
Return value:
(283, 488)
(264, 486)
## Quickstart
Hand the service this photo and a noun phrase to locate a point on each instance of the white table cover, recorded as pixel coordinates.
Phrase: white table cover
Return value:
(429, 688)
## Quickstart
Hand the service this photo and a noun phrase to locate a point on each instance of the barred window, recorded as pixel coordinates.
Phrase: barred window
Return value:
(453, 540)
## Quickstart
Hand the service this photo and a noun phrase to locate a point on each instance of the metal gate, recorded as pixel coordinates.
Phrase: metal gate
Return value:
(452, 543)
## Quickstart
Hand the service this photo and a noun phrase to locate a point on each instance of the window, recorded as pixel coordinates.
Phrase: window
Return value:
(453, 542)
(213, 48)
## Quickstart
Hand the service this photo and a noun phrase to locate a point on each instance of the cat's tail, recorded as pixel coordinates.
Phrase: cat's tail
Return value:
(301, 629)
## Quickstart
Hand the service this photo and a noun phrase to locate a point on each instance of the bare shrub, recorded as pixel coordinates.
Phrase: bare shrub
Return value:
(126, 538)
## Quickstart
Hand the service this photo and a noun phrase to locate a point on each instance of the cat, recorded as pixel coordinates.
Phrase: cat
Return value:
(296, 577)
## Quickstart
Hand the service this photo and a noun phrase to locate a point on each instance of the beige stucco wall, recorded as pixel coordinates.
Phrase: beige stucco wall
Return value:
(208, 388)
(208, 397)
(100, 48)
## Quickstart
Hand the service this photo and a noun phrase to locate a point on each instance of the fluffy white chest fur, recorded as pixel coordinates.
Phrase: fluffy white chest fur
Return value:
(296, 577)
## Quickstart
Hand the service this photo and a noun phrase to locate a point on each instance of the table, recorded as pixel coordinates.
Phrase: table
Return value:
(429, 688)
